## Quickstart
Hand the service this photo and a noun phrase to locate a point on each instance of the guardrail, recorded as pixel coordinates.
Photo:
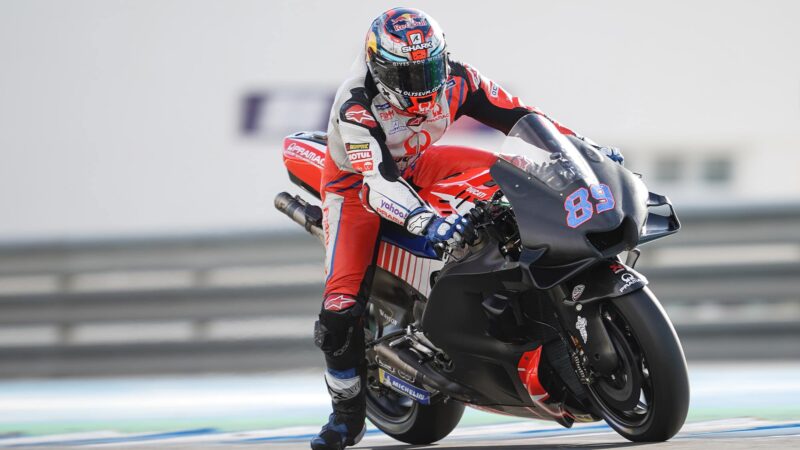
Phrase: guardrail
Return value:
(247, 302)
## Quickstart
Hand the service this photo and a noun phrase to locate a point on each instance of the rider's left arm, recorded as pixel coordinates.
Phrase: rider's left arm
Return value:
(487, 102)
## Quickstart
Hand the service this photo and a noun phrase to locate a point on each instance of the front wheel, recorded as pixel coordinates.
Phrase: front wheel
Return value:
(646, 399)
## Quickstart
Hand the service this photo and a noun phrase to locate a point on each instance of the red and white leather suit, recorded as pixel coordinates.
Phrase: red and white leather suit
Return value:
(377, 154)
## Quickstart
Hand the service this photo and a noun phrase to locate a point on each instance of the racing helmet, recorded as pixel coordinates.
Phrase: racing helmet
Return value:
(405, 52)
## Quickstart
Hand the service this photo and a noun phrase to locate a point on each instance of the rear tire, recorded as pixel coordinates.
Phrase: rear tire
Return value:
(399, 416)
(647, 343)
(420, 424)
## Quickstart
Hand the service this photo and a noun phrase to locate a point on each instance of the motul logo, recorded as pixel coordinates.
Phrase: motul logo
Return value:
(359, 156)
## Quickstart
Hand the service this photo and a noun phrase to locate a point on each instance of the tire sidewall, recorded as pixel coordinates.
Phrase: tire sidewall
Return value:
(666, 362)
(426, 423)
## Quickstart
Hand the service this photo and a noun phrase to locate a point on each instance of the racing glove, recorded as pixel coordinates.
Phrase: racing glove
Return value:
(453, 230)
(613, 154)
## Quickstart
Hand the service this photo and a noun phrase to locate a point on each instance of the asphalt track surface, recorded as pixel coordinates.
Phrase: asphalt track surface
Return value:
(734, 406)
(729, 434)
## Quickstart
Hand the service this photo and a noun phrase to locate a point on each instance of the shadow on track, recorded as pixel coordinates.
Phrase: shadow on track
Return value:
(512, 447)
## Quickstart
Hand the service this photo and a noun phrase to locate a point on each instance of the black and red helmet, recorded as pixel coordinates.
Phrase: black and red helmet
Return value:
(406, 55)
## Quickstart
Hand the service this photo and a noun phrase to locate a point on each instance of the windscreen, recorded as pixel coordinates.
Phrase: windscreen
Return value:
(537, 147)
(569, 199)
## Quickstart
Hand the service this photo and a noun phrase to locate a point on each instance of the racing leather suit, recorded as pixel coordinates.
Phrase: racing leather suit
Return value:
(377, 155)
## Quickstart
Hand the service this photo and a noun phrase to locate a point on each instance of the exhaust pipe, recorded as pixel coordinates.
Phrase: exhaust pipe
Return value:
(301, 212)
(404, 361)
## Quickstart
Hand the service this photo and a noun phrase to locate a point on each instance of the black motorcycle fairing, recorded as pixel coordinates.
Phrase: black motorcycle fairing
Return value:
(480, 314)
(659, 225)
(457, 322)
(393, 303)
(605, 279)
(542, 224)
(546, 277)
(553, 184)
(481, 258)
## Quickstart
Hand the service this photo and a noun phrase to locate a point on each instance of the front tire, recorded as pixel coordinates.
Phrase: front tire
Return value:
(647, 398)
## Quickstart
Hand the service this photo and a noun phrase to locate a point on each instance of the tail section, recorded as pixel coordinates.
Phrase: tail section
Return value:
(304, 158)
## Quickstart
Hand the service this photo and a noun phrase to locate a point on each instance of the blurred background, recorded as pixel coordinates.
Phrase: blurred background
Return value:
(141, 150)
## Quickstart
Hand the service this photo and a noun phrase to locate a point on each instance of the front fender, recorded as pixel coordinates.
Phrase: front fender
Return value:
(605, 279)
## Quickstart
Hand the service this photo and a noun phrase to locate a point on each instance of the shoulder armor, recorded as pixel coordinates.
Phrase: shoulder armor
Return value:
(356, 109)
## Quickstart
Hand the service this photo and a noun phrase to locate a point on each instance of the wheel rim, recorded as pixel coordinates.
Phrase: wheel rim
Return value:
(389, 406)
(626, 396)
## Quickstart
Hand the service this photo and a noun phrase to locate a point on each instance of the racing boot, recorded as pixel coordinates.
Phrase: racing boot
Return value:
(340, 334)
(341, 431)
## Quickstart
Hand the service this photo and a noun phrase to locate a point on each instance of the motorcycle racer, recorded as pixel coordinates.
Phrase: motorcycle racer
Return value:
(383, 125)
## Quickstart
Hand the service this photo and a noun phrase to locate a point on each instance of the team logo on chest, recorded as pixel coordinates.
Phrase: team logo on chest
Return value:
(418, 142)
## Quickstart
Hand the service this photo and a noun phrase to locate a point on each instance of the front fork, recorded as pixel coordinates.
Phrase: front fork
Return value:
(584, 324)
(578, 303)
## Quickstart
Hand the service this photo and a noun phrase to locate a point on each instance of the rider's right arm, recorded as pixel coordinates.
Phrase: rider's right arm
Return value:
(384, 191)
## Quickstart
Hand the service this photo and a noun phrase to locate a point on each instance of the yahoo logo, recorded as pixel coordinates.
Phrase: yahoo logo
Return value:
(392, 209)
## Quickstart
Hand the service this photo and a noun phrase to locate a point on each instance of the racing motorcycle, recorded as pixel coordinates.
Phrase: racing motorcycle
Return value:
(539, 316)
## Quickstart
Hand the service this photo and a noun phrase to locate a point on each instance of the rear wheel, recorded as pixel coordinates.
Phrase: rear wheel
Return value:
(399, 416)
(646, 399)
(411, 422)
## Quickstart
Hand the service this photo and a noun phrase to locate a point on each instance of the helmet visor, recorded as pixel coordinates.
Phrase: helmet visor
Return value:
(412, 78)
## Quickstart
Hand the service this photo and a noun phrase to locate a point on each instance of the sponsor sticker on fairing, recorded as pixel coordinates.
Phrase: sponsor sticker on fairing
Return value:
(580, 325)
(578, 291)
(388, 317)
(293, 150)
(419, 395)
(616, 268)
(629, 279)
(476, 192)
